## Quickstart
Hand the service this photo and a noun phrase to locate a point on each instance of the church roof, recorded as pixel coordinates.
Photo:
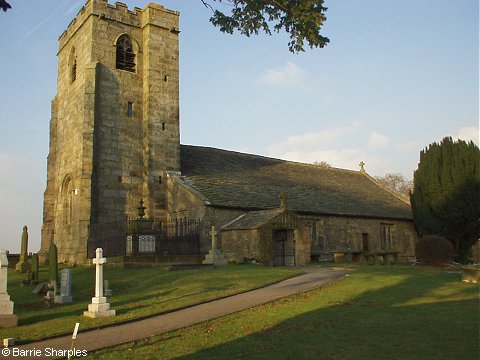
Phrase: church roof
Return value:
(243, 181)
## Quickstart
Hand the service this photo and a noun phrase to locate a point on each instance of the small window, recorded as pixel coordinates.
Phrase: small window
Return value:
(72, 65)
(385, 236)
(125, 58)
(129, 109)
(74, 70)
(164, 126)
(314, 235)
(365, 241)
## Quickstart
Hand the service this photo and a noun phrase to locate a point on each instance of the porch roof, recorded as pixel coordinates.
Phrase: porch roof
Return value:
(253, 219)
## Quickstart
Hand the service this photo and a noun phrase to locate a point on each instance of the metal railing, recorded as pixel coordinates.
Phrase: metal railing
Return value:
(141, 236)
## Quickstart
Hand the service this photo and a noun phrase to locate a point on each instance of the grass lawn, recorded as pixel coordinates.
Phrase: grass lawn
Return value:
(377, 312)
(136, 293)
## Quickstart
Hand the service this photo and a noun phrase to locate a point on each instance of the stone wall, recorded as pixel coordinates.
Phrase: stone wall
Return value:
(113, 132)
(335, 233)
(67, 196)
(238, 245)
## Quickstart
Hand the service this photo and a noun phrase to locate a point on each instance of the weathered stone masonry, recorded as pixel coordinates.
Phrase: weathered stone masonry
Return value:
(113, 133)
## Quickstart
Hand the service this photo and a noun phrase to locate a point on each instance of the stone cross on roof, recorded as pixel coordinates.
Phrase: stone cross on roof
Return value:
(362, 164)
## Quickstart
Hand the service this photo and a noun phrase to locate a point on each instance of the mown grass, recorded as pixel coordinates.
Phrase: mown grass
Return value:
(136, 293)
(397, 312)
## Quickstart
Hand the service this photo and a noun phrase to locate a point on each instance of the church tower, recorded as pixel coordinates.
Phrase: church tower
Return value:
(114, 128)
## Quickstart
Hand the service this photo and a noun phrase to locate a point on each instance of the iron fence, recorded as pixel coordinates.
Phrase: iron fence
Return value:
(146, 237)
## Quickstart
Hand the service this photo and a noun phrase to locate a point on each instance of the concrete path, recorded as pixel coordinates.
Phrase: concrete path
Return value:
(120, 334)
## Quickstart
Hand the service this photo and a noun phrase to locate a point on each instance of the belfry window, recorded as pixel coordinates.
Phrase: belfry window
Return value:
(125, 58)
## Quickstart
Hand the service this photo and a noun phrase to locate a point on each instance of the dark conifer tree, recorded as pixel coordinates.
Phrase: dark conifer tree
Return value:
(446, 193)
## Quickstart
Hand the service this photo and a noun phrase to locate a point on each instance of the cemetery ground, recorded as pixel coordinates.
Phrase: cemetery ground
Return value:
(137, 293)
(377, 312)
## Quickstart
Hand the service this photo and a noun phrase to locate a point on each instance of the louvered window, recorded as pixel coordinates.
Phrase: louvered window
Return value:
(125, 58)
(74, 70)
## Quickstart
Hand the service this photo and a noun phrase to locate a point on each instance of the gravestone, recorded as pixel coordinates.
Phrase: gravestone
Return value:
(22, 264)
(53, 263)
(52, 272)
(34, 268)
(7, 318)
(65, 295)
(215, 256)
(106, 288)
(99, 306)
(40, 289)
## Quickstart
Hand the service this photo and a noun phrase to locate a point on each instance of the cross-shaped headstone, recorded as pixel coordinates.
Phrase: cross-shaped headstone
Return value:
(99, 261)
(214, 234)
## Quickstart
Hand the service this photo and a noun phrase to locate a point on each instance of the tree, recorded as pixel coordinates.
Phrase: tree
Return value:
(4, 5)
(396, 182)
(322, 163)
(301, 19)
(446, 193)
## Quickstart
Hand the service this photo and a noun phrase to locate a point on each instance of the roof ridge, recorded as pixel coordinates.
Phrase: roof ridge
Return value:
(274, 159)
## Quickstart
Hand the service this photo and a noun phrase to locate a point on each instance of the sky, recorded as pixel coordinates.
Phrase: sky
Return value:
(395, 77)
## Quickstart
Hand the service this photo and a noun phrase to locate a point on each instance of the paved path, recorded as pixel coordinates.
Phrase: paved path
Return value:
(119, 334)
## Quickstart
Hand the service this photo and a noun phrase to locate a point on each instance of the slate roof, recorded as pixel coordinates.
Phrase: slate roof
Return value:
(251, 182)
(253, 219)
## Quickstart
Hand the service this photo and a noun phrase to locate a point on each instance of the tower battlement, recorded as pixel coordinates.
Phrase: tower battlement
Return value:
(119, 12)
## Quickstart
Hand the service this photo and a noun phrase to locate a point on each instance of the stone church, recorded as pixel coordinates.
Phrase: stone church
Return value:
(115, 154)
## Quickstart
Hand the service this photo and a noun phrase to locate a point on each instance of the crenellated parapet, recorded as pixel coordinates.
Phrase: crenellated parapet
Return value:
(152, 14)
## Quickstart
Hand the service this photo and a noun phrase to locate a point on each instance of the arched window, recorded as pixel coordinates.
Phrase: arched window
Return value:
(67, 201)
(125, 58)
(72, 65)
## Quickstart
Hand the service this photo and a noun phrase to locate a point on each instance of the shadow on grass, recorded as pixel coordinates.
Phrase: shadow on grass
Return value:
(175, 300)
(46, 317)
(125, 300)
(400, 321)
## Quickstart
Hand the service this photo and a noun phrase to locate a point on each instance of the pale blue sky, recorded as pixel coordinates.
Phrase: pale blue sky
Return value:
(396, 76)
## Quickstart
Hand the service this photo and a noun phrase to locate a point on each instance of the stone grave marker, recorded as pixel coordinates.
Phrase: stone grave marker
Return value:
(34, 268)
(7, 318)
(106, 288)
(23, 264)
(215, 255)
(65, 295)
(99, 306)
